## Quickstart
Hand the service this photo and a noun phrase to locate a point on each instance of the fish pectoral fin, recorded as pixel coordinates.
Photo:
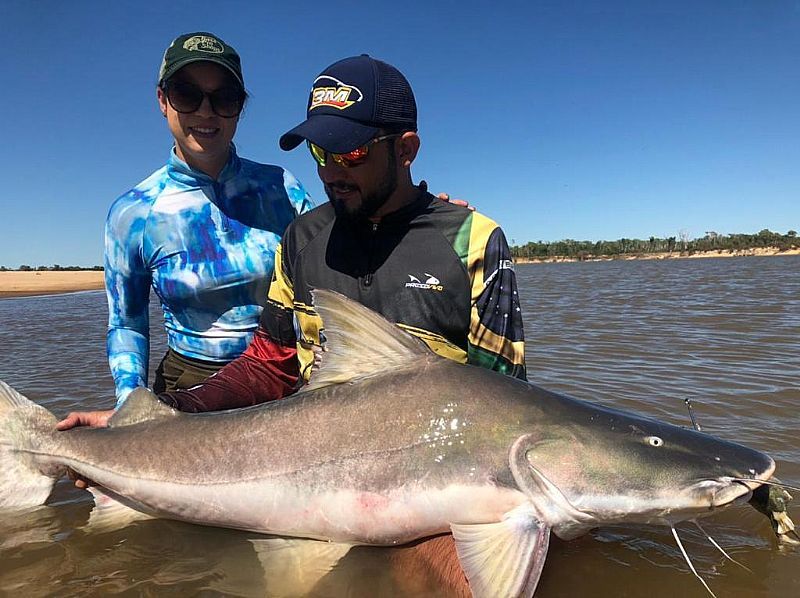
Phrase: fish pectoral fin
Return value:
(293, 566)
(140, 406)
(504, 558)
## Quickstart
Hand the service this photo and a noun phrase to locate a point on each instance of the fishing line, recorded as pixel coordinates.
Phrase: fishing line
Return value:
(686, 556)
(718, 547)
(688, 402)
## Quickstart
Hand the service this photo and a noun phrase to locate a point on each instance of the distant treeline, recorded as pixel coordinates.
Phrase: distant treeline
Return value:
(53, 268)
(710, 242)
(587, 249)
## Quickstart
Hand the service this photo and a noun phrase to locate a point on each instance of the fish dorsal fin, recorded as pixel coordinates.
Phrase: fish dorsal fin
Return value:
(140, 406)
(504, 558)
(359, 342)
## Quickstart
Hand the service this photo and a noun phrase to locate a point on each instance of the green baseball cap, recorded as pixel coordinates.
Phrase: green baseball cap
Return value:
(196, 47)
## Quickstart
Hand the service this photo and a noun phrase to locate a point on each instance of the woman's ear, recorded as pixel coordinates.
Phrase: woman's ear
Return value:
(162, 102)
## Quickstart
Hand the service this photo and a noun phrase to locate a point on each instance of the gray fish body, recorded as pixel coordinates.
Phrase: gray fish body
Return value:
(417, 449)
(327, 464)
(294, 466)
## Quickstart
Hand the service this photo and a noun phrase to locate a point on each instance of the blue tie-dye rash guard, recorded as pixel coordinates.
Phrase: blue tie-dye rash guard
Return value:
(206, 247)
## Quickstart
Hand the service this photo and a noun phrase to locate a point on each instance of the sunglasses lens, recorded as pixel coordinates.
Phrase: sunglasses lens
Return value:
(227, 102)
(184, 97)
(354, 158)
(317, 153)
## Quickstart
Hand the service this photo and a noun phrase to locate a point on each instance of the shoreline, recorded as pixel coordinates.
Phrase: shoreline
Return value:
(35, 283)
(15, 284)
(675, 255)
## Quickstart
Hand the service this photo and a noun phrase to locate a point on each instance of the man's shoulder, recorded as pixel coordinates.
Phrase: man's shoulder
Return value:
(466, 220)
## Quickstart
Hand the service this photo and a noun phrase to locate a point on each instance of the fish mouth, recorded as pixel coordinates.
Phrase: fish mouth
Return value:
(732, 491)
(729, 489)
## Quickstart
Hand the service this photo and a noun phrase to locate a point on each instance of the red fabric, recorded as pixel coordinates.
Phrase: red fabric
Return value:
(264, 372)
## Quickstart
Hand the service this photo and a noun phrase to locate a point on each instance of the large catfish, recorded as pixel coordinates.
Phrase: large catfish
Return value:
(391, 443)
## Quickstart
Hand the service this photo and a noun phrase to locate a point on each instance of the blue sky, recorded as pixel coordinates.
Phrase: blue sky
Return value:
(558, 119)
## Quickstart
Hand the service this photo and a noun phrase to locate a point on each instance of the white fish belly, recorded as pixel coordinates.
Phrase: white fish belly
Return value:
(396, 516)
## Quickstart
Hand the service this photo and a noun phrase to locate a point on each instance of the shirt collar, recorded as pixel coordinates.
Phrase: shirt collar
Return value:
(180, 171)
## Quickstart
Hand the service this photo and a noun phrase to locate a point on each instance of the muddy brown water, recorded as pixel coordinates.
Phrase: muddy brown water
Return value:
(640, 336)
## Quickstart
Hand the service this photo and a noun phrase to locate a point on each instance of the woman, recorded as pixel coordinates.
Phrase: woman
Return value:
(201, 231)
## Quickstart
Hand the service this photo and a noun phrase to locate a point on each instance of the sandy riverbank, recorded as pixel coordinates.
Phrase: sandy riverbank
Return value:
(25, 284)
(760, 252)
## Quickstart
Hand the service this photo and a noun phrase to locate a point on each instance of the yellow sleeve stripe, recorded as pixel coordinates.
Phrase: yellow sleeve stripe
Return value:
(481, 230)
(281, 290)
(310, 324)
(437, 343)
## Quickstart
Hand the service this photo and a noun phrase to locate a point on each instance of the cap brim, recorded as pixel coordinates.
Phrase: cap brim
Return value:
(182, 63)
(332, 133)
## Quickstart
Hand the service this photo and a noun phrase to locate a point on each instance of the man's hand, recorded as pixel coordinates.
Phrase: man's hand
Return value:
(93, 419)
(455, 202)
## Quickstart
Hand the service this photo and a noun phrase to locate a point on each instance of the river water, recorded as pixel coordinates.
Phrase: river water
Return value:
(638, 335)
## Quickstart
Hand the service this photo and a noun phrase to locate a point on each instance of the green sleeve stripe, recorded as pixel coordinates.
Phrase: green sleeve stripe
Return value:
(491, 361)
(461, 242)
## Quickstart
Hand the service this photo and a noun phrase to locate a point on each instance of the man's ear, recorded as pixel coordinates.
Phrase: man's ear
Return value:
(162, 101)
(408, 148)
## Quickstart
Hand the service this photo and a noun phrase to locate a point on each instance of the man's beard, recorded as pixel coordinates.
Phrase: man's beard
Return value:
(370, 202)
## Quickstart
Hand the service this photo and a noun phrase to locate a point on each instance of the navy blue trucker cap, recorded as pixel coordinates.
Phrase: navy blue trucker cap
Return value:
(350, 102)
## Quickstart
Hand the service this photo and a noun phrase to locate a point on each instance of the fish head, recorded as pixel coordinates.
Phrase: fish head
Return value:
(601, 466)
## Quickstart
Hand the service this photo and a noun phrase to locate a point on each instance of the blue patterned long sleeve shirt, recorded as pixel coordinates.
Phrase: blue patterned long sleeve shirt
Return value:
(206, 247)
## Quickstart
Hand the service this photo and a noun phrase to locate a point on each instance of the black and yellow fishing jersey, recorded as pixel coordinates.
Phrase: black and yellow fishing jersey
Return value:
(441, 272)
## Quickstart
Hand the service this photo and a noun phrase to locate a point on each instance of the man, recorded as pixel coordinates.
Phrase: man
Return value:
(441, 272)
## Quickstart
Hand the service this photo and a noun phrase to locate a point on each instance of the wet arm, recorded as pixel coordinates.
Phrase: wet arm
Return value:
(267, 370)
(127, 282)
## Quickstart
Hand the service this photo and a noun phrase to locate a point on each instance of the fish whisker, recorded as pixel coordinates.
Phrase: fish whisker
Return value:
(766, 482)
(689, 562)
(718, 547)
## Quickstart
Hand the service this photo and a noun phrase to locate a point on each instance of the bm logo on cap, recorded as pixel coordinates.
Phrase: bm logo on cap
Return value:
(340, 96)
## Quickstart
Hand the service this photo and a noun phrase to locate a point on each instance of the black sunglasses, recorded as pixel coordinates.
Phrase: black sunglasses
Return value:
(185, 98)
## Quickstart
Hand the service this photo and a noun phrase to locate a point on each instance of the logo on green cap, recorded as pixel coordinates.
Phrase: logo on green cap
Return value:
(203, 43)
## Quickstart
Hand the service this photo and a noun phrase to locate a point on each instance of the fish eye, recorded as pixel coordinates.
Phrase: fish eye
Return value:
(654, 441)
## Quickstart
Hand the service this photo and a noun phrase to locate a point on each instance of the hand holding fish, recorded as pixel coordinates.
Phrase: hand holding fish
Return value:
(93, 419)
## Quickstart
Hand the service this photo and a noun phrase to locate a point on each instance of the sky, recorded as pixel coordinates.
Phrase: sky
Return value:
(558, 119)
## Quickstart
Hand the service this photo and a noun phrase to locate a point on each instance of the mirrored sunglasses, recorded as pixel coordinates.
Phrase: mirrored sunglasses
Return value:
(353, 158)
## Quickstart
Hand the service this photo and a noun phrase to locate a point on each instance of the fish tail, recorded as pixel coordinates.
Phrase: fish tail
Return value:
(26, 477)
